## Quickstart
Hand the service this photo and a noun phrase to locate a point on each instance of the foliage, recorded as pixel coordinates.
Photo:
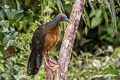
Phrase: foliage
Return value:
(96, 51)
(94, 67)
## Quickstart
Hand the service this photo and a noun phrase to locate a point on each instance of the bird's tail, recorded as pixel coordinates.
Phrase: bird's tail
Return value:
(34, 63)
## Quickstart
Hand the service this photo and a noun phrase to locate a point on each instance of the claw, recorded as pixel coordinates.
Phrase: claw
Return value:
(50, 64)
(52, 61)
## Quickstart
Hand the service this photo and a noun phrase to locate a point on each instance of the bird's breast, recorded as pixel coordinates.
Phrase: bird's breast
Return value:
(52, 37)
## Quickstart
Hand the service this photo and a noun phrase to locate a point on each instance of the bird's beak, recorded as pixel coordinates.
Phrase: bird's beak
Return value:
(66, 19)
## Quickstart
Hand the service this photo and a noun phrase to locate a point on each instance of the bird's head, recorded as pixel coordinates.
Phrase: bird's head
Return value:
(61, 17)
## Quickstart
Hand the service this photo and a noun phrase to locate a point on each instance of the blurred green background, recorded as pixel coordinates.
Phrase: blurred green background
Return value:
(96, 51)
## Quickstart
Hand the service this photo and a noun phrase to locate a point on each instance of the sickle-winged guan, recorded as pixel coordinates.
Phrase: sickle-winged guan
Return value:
(44, 38)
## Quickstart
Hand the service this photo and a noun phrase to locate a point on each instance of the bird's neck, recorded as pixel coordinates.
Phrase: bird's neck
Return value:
(51, 25)
(56, 22)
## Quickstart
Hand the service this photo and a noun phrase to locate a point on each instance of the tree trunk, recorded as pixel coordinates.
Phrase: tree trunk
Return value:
(59, 72)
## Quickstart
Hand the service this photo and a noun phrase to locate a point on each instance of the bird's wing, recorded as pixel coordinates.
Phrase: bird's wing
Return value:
(37, 45)
(38, 39)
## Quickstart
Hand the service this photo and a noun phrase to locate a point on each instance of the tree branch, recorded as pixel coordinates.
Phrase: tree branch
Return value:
(59, 71)
(69, 37)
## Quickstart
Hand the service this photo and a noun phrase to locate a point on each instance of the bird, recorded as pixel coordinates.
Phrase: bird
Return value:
(44, 38)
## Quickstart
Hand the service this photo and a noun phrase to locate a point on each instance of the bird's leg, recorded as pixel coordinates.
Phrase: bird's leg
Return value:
(53, 63)
(46, 62)
(50, 60)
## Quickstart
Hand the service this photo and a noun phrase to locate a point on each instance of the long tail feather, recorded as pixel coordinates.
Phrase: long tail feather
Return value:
(34, 63)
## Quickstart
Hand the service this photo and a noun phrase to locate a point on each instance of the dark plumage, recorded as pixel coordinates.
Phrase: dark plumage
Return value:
(37, 45)
(44, 38)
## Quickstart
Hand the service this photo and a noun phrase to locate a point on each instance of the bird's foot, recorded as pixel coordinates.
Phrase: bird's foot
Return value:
(52, 61)
(52, 65)
(49, 66)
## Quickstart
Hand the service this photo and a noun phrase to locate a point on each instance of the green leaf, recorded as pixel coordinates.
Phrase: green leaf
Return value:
(105, 14)
(14, 35)
(19, 17)
(8, 13)
(97, 13)
(53, 53)
(1, 49)
(12, 14)
(52, 4)
(115, 52)
(86, 30)
(87, 18)
(74, 53)
(1, 36)
(1, 15)
(68, 8)
(96, 21)
(22, 24)
(11, 42)
(91, 5)
(110, 70)
(1, 68)
(113, 15)
(5, 40)
(60, 6)
(118, 1)
(27, 2)
(19, 11)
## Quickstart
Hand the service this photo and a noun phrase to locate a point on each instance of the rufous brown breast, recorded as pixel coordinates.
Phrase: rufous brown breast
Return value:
(52, 38)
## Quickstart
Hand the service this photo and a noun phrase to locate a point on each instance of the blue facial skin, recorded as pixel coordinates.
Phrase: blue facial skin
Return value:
(65, 19)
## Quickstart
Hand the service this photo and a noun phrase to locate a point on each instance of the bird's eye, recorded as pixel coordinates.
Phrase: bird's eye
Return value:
(62, 17)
